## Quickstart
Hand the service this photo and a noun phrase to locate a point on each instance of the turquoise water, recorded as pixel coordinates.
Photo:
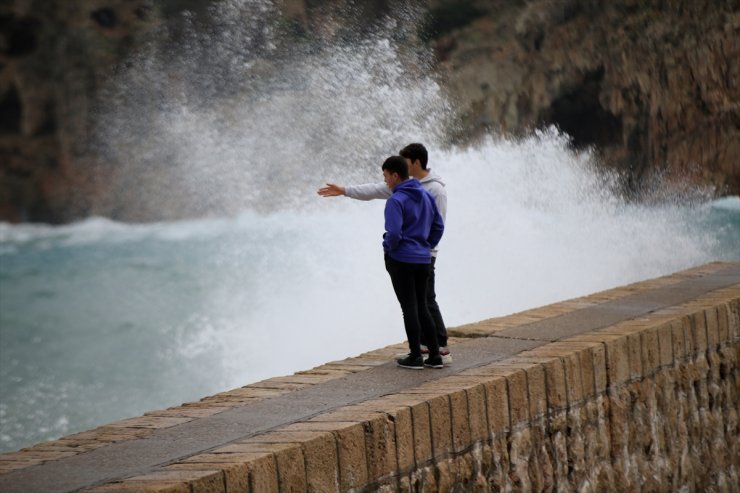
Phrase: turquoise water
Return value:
(102, 320)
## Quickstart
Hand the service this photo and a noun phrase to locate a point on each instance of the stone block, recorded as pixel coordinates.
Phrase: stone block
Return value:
(635, 355)
(319, 453)
(318, 426)
(283, 436)
(712, 324)
(351, 456)
(350, 446)
(127, 486)
(380, 447)
(583, 359)
(733, 319)
(347, 414)
(678, 336)
(460, 421)
(665, 344)
(586, 362)
(236, 475)
(439, 413)
(322, 464)
(445, 475)
(573, 379)
(699, 333)
(723, 329)
(477, 413)
(500, 461)
(520, 449)
(690, 344)
(557, 391)
(262, 474)
(516, 382)
(466, 466)
(497, 405)
(429, 480)
(617, 361)
(404, 428)
(421, 419)
(291, 468)
(537, 390)
(576, 446)
(598, 354)
(535, 379)
(261, 467)
(289, 464)
(619, 399)
(616, 352)
(202, 481)
(650, 351)
(397, 407)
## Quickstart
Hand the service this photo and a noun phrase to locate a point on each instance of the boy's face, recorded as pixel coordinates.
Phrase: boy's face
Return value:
(391, 179)
(414, 167)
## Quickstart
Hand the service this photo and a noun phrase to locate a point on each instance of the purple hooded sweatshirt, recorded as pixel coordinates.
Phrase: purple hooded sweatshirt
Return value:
(413, 225)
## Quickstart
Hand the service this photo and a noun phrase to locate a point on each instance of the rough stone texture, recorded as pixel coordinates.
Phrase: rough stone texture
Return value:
(54, 56)
(564, 416)
(651, 84)
(664, 424)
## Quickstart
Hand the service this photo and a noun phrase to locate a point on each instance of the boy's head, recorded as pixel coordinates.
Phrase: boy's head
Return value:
(395, 170)
(416, 152)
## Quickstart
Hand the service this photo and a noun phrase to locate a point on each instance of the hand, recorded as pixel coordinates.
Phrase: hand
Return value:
(331, 190)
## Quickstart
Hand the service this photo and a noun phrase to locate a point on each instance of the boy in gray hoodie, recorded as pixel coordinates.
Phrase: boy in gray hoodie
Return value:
(416, 157)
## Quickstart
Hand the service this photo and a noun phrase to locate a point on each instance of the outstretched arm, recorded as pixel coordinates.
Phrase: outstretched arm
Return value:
(368, 191)
(331, 190)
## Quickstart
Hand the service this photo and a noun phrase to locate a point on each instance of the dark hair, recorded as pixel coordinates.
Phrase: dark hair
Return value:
(414, 152)
(396, 164)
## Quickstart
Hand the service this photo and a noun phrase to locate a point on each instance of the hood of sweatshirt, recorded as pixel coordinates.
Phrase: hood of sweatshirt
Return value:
(432, 176)
(411, 188)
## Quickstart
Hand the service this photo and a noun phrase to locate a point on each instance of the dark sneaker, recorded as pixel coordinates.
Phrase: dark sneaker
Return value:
(411, 363)
(434, 362)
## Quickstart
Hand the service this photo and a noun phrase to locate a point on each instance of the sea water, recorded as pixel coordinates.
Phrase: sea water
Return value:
(102, 319)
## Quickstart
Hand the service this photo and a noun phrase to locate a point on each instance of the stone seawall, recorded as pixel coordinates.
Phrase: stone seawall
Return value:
(644, 405)
(617, 391)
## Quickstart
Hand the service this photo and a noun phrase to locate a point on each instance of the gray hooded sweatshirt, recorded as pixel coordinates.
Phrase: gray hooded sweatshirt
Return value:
(432, 183)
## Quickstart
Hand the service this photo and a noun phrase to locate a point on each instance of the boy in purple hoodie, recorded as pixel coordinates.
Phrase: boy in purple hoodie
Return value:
(417, 157)
(413, 227)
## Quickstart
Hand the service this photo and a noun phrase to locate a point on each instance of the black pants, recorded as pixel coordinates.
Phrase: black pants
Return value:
(410, 284)
(434, 310)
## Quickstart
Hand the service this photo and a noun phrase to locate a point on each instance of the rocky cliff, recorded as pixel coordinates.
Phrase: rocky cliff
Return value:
(54, 56)
(651, 85)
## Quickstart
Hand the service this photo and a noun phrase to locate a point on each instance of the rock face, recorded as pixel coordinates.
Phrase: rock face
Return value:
(54, 55)
(651, 85)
